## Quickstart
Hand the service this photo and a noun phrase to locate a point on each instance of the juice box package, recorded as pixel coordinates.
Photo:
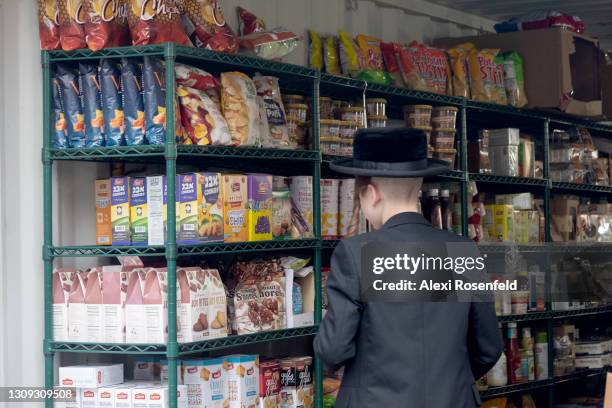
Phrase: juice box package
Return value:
(206, 383)
(259, 207)
(139, 214)
(120, 210)
(242, 373)
(155, 209)
(210, 216)
(104, 228)
(189, 198)
(235, 195)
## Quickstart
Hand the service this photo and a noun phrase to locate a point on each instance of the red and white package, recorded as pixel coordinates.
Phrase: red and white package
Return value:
(390, 53)
(208, 28)
(425, 68)
(249, 23)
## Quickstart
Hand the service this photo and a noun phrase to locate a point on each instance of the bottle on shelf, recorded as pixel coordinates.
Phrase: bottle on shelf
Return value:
(434, 208)
(513, 354)
(541, 356)
(446, 209)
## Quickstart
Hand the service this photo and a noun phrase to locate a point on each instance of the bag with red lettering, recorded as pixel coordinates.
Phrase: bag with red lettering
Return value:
(156, 22)
(106, 24)
(425, 68)
(48, 25)
(71, 22)
(390, 53)
(208, 28)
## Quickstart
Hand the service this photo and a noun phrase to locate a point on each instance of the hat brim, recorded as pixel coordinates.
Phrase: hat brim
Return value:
(348, 166)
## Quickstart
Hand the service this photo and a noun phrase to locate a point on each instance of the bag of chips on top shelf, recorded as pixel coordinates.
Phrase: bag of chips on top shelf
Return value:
(48, 25)
(458, 56)
(514, 80)
(249, 23)
(315, 51)
(269, 90)
(351, 60)
(71, 104)
(154, 98)
(482, 68)
(207, 28)
(60, 140)
(389, 52)
(330, 55)
(499, 96)
(133, 106)
(201, 117)
(240, 108)
(425, 68)
(410, 58)
(106, 24)
(156, 22)
(273, 44)
(72, 18)
(112, 106)
(369, 47)
(89, 86)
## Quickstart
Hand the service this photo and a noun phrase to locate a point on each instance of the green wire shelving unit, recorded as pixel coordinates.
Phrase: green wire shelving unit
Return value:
(306, 81)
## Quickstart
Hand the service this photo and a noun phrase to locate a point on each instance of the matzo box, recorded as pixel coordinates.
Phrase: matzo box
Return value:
(104, 227)
(156, 201)
(189, 192)
(89, 397)
(146, 368)
(242, 373)
(206, 383)
(234, 187)
(193, 319)
(120, 210)
(62, 283)
(259, 207)
(139, 214)
(107, 397)
(211, 212)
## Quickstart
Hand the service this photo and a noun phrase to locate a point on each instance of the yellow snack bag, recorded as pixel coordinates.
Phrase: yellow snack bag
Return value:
(330, 54)
(350, 58)
(482, 68)
(369, 47)
(458, 56)
(315, 51)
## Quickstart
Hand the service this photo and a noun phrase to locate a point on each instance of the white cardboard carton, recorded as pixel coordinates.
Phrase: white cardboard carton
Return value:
(164, 371)
(242, 380)
(193, 319)
(77, 311)
(139, 398)
(217, 304)
(123, 396)
(89, 397)
(93, 306)
(146, 369)
(62, 283)
(90, 376)
(155, 204)
(107, 397)
(206, 383)
(114, 292)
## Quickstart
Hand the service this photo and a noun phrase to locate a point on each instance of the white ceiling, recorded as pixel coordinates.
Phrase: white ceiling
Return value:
(597, 14)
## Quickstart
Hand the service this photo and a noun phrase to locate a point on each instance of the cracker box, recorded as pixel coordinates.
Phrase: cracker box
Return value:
(217, 304)
(503, 225)
(107, 397)
(206, 383)
(234, 187)
(146, 368)
(114, 293)
(296, 382)
(89, 397)
(242, 380)
(123, 396)
(301, 195)
(345, 205)
(269, 384)
(91, 376)
(193, 319)
(164, 371)
(156, 189)
(77, 310)
(62, 283)
(189, 198)
(210, 218)
(120, 210)
(329, 208)
(139, 214)
(104, 227)
(259, 207)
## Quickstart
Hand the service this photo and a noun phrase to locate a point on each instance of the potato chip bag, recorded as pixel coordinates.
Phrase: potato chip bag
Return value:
(106, 24)
(201, 117)
(71, 104)
(269, 90)
(154, 98)
(482, 74)
(156, 22)
(89, 84)
(499, 96)
(72, 18)
(425, 68)
(369, 47)
(410, 62)
(390, 57)
(351, 60)
(208, 28)
(249, 23)
(48, 25)
(459, 67)
(193, 77)
(59, 140)
(133, 106)
(514, 80)
(315, 51)
(112, 106)
(330, 55)
(240, 108)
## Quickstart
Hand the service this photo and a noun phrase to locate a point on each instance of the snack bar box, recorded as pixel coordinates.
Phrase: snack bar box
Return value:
(90, 376)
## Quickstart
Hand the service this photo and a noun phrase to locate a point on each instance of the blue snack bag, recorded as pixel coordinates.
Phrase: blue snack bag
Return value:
(112, 106)
(133, 108)
(154, 95)
(71, 103)
(60, 128)
(92, 106)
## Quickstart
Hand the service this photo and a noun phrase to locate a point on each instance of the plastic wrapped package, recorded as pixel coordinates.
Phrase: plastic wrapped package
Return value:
(71, 21)
(425, 68)
(60, 130)
(89, 85)
(240, 108)
(514, 80)
(351, 60)
(369, 47)
(48, 25)
(206, 26)
(458, 57)
(201, 118)
(539, 19)
(601, 170)
(71, 105)
(482, 68)
(112, 106)
(389, 52)
(499, 83)
(315, 51)
(330, 55)
(273, 44)
(156, 25)
(154, 98)
(106, 24)
(133, 105)
(269, 90)
(249, 23)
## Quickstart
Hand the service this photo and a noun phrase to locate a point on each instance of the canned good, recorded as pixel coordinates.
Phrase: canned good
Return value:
(330, 128)
(447, 155)
(297, 110)
(443, 138)
(377, 121)
(325, 107)
(348, 129)
(353, 114)
(417, 116)
(444, 117)
(376, 106)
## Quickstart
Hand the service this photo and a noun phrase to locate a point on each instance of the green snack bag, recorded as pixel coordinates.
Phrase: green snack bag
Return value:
(375, 77)
(514, 81)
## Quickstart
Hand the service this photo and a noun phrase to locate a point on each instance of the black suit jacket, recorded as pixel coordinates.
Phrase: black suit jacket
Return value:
(400, 355)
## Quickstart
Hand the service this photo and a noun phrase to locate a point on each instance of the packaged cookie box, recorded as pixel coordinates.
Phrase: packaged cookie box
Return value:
(269, 384)
(120, 210)
(189, 201)
(206, 382)
(235, 196)
(103, 212)
(242, 373)
(296, 382)
(211, 210)
(259, 207)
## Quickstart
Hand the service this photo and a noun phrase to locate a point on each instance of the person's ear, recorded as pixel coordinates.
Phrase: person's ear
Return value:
(374, 192)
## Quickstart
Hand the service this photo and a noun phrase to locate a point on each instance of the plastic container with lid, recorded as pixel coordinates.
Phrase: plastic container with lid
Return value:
(330, 146)
(447, 155)
(288, 99)
(353, 114)
(325, 107)
(443, 138)
(348, 129)
(377, 121)
(376, 106)
(330, 128)
(444, 117)
(296, 130)
(417, 116)
(297, 110)
(346, 147)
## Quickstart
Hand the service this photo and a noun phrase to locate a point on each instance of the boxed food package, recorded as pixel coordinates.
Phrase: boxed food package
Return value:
(77, 310)
(503, 223)
(296, 382)
(139, 215)
(90, 376)
(192, 311)
(304, 280)
(114, 293)
(503, 151)
(211, 213)
(330, 189)
(156, 199)
(93, 306)
(120, 210)
(62, 283)
(301, 197)
(526, 226)
(259, 207)
(164, 371)
(106, 397)
(526, 158)
(235, 196)
(521, 201)
(269, 384)
(346, 203)
(104, 228)
(564, 212)
(146, 306)
(189, 199)
(206, 383)
(242, 373)
(478, 153)
(146, 368)
(217, 304)
(281, 212)
(89, 397)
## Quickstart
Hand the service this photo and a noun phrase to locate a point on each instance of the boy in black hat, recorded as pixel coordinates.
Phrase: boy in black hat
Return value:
(400, 355)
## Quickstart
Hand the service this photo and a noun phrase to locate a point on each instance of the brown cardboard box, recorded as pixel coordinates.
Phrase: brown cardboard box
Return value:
(564, 219)
(608, 394)
(557, 63)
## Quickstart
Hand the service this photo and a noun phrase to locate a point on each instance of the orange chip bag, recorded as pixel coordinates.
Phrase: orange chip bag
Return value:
(208, 27)
(106, 25)
(459, 66)
(483, 71)
(370, 50)
(156, 22)
(71, 22)
(48, 25)
(409, 61)
(425, 68)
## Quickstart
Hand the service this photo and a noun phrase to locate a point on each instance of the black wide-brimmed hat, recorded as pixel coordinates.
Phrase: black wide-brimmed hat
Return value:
(390, 152)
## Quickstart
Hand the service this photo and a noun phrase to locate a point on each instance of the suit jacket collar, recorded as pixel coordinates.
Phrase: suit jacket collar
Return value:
(405, 218)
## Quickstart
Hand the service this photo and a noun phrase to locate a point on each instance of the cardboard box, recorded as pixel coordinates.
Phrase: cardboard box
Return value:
(123, 396)
(330, 189)
(564, 211)
(235, 196)
(526, 158)
(346, 203)
(91, 376)
(62, 283)
(296, 382)
(526, 226)
(164, 371)
(503, 222)
(211, 211)
(217, 304)
(242, 380)
(77, 310)
(104, 227)
(522, 201)
(146, 369)
(504, 160)
(573, 86)
(139, 214)
(156, 189)
(146, 306)
(306, 282)
(504, 137)
(107, 397)
(189, 198)
(269, 384)
(608, 392)
(139, 397)
(206, 383)
(301, 194)
(193, 319)
(89, 397)
(114, 293)
(120, 210)
(94, 307)
(259, 207)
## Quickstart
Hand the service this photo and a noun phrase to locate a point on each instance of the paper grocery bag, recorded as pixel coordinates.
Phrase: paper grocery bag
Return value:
(608, 395)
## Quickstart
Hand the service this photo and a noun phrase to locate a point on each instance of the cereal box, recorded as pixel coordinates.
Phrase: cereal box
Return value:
(242, 380)
(146, 368)
(120, 210)
(189, 198)
(104, 228)
(329, 208)
(156, 200)
(206, 383)
(234, 187)
(210, 216)
(269, 384)
(296, 382)
(301, 196)
(259, 207)
(139, 215)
